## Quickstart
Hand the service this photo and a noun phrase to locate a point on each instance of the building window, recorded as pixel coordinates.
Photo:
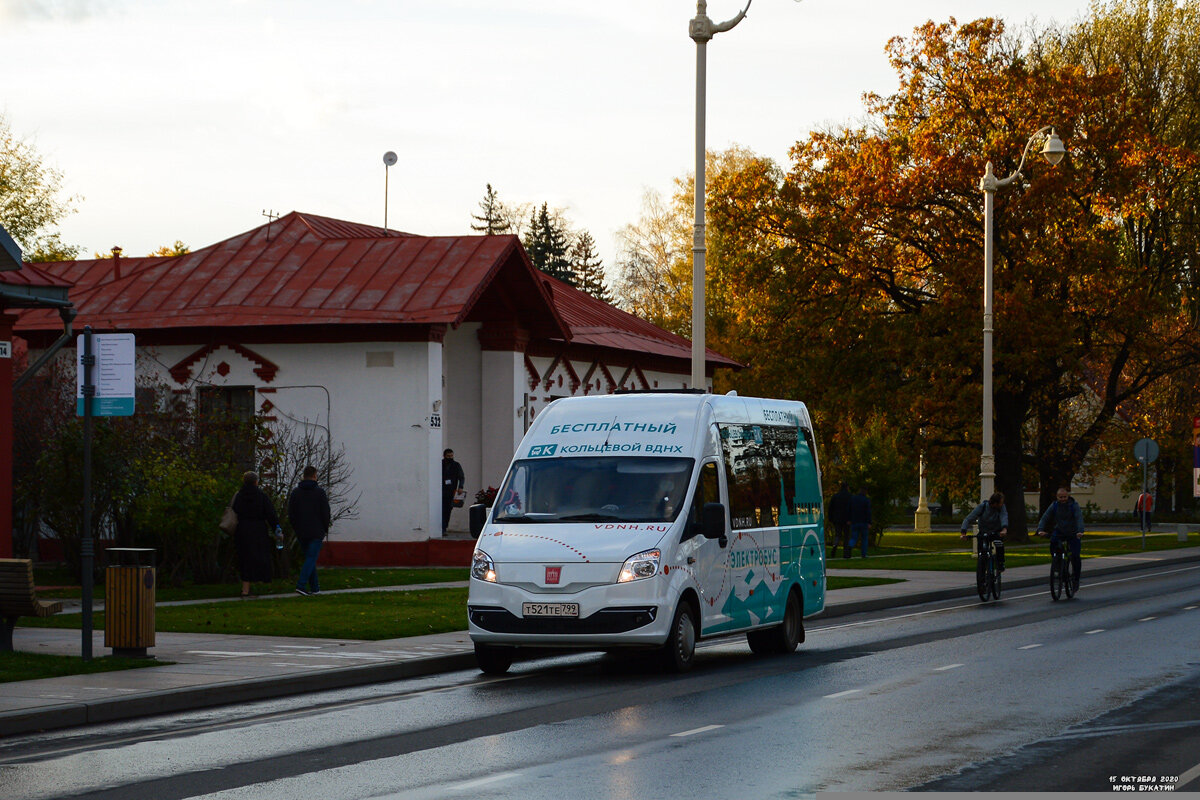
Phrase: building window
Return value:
(227, 413)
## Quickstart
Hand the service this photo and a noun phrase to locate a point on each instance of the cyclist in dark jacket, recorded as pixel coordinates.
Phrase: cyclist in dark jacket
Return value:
(992, 517)
(1064, 520)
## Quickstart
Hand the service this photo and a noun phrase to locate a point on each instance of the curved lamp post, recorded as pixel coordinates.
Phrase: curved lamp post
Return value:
(701, 29)
(1053, 151)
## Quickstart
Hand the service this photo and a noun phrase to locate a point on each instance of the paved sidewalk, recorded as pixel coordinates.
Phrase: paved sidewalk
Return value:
(212, 670)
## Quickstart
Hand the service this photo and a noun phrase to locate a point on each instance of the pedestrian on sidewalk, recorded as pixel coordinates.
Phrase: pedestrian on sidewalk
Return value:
(453, 479)
(992, 517)
(839, 518)
(308, 509)
(252, 539)
(1144, 508)
(860, 521)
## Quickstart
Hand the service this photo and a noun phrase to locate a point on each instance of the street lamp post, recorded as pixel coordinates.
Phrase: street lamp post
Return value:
(1053, 151)
(701, 29)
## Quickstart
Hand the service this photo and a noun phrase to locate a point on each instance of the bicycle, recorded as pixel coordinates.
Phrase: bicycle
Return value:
(1063, 578)
(987, 572)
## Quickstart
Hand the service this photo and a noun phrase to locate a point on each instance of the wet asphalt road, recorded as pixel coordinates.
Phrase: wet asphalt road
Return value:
(1023, 694)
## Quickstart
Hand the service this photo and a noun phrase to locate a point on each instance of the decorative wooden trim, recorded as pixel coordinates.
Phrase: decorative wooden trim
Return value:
(587, 379)
(549, 373)
(266, 369)
(612, 384)
(534, 378)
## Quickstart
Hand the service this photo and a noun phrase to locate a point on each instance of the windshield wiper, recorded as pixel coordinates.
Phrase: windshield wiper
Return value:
(592, 517)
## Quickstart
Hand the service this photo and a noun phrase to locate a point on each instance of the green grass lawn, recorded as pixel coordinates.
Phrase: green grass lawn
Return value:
(360, 615)
(331, 578)
(900, 550)
(31, 666)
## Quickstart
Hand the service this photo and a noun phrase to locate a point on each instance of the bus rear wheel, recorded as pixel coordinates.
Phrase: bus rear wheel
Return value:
(782, 638)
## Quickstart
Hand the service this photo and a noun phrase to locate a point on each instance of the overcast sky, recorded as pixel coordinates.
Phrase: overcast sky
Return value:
(186, 119)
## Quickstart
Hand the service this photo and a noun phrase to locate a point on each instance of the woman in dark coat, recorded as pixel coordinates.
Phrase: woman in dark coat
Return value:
(256, 520)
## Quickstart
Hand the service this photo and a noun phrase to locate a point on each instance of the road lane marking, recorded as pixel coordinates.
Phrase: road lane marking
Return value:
(503, 776)
(227, 653)
(1029, 647)
(304, 666)
(1188, 777)
(297, 646)
(1133, 728)
(842, 694)
(1190, 608)
(948, 666)
(1097, 630)
(1146, 619)
(694, 731)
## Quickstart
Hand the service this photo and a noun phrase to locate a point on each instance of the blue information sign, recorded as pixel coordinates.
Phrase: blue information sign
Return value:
(113, 375)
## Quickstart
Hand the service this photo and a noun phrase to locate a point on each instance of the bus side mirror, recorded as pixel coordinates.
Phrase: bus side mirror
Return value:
(712, 520)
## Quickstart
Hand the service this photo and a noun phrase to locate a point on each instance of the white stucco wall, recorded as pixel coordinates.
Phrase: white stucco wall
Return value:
(382, 414)
(395, 407)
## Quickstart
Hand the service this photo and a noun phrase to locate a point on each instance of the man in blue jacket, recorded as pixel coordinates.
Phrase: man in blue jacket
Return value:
(1064, 520)
(308, 509)
(860, 520)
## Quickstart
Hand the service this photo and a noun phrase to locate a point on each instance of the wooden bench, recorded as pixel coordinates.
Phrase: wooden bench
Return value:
(18, 598)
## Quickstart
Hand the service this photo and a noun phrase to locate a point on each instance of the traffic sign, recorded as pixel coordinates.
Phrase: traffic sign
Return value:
(113, 375)
(1145, 451)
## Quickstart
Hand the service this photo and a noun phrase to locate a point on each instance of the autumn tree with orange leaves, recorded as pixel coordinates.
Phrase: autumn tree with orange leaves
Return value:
(858, 273)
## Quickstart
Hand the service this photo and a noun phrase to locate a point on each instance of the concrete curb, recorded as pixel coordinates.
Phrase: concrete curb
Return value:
(169, 701)
(114, 709)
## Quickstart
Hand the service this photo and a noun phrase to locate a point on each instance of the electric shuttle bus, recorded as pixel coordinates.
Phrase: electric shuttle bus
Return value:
(652, 520)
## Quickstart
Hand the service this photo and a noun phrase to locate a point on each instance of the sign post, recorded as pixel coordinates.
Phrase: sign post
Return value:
(1146, 452)
(106, 382)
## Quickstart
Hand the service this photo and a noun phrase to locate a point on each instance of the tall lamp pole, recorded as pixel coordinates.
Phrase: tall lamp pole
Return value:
(1053, 151)
(701, 30)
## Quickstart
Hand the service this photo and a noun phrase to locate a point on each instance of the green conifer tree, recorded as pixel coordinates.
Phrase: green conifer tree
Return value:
(588, 268)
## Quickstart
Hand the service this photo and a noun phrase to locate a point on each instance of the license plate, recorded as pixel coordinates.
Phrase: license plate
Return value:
(550, 609)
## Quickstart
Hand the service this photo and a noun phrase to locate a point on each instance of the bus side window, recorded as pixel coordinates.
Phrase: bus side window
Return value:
(707, 491)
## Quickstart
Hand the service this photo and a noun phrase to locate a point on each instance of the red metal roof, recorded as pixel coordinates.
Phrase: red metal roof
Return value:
(30, 275)
(597, 323)
(304, 269)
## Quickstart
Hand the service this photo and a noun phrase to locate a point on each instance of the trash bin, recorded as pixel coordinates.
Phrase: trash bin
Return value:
(477, 518)
(129, 601)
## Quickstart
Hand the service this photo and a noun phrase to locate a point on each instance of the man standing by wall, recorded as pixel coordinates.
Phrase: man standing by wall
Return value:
(308, 509)
(452, 480)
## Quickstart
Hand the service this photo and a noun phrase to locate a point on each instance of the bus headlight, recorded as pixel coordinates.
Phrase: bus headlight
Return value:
(482, 567)
(642, 565)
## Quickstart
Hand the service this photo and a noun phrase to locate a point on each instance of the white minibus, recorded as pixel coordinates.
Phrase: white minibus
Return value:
(652, 520)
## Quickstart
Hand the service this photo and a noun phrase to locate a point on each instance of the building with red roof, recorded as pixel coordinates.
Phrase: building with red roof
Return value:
(393, 345)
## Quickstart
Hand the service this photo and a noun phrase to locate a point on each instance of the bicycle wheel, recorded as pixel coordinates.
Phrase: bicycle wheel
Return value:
(981, 577)
(1056, 576)
(995, 578)
(1070, 579)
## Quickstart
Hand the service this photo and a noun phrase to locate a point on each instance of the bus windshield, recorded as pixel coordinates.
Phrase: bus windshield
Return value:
(594, 489)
